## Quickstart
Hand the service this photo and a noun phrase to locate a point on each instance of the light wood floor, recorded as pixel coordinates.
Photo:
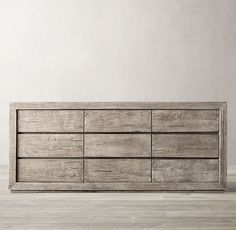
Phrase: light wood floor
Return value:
(181, 211)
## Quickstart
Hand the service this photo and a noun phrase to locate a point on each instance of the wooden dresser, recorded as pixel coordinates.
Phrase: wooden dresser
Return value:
(102, 146)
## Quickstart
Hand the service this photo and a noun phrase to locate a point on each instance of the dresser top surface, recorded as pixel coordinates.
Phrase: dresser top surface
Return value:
(118, 105)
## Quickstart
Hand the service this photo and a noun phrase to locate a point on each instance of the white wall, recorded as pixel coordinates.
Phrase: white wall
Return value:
(117, 50)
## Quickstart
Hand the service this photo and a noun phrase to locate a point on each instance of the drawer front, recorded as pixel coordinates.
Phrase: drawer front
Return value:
(117, 145)
(185, 121)
(185, 170)
(50, 170)
(117, 170)
(50, 120)
(185, 145)
(50, 145)
(117, 121)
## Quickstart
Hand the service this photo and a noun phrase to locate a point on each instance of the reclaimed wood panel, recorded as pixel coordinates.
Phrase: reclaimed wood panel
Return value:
(50, 145)
(50, 170)
(50, 120)
(185, 120)
(117, 170)
(185, 145)
(185, 170)
(117, 121)
(117, 145)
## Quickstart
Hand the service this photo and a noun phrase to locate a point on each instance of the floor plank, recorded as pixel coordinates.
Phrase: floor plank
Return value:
(161, 210)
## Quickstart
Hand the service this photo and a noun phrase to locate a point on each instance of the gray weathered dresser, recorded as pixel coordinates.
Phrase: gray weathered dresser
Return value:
(117, 146)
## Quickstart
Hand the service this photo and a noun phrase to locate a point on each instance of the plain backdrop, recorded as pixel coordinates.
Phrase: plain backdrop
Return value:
(118, 50)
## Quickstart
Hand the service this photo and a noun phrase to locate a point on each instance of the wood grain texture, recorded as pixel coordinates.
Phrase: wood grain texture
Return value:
(117, 121)
(185, 170)
(185, 145)
(50, 145)
(185, 120)
(50, 170)
(50, 121)
(117, 145)
(117, 170)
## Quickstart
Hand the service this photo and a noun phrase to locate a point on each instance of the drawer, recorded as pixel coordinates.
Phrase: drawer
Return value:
(117, 145)
(50, 170)
(185, 120)
(50, 120)
(50, 145)
(117, 170)
(117, 121)
(185, 170)
(185, 145)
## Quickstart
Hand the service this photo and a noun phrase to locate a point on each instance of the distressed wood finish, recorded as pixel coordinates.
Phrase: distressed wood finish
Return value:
(102, 146)
(50, 145)
(117, 170)
(185, 121)
(117, 145)
(50, 120)
(117, 121)
(185, 170)
(185, 145)
(50, 170)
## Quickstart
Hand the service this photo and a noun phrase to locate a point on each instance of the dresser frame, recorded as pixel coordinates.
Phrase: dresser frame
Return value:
(14, 185)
